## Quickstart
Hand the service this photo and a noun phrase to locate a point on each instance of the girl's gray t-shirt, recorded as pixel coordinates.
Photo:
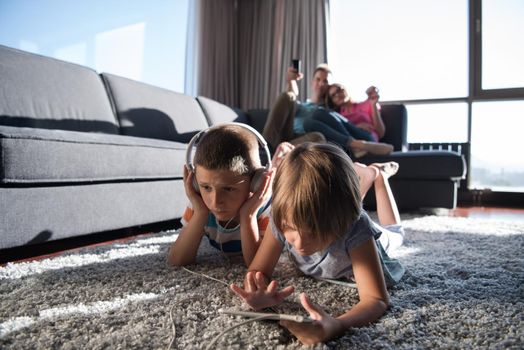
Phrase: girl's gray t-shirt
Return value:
(334, 261)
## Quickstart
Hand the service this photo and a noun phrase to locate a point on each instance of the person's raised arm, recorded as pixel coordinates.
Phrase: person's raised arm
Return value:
(292, 77)
(184, 250)
(378, 123)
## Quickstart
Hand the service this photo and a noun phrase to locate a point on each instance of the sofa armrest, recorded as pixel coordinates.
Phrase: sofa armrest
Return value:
(395, 118)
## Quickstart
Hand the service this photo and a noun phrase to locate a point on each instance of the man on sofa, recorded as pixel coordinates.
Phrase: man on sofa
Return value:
(285, 120)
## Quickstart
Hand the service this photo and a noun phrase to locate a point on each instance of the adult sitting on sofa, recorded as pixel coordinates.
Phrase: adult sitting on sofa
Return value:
(292, 121)
(425, 178)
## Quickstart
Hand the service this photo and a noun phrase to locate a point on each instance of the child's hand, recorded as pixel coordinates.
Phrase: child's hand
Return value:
(258, 294)
(282, 150)
(372, 93)
(194, 197)
(259, 198)
(323, 327)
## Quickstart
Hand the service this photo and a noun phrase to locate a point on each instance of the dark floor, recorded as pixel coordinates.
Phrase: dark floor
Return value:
(489, 213)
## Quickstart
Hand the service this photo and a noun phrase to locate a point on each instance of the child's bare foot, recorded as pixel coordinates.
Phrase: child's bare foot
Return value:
(366, 175)
(387, 169)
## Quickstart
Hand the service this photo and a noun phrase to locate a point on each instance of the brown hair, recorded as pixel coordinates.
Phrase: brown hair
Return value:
(328, 100)
(323, 67)
(228, 147)
(317, 189)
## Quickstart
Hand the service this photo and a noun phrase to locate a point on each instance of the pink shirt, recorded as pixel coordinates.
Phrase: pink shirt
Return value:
(362, 112)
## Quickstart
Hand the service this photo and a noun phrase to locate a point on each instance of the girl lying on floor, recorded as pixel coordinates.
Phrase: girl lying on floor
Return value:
(317, 216)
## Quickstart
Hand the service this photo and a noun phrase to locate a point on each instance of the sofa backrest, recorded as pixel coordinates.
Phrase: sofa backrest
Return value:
(217, 112)
(42, 92)
(145, 110)
(395, 117)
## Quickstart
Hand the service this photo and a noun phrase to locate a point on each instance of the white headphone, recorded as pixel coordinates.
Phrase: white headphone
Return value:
(258, 175)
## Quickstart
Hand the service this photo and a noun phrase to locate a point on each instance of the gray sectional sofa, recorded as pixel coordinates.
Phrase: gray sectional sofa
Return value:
(83, 153)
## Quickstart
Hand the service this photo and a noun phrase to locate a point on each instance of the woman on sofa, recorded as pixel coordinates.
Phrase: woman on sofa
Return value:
(365, 115)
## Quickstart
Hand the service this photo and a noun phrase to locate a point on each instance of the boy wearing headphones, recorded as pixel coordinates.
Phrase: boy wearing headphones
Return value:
(229, 191)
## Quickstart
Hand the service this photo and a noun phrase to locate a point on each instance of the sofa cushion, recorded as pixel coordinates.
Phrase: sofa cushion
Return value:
(148, 111)
(217, 112)
(424, 165)
(30, 155)
(42, 92)
(33, 215)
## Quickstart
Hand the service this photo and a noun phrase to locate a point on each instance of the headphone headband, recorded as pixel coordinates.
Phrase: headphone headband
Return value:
(195, 139)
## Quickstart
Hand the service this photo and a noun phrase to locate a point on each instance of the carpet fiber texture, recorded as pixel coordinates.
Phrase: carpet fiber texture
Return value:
(464, 288)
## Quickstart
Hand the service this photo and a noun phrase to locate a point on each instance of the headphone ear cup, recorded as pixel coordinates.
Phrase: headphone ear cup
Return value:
(257, 179)
(195, 184)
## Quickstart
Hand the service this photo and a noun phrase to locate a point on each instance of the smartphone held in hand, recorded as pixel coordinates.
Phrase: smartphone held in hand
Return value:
(296, 64)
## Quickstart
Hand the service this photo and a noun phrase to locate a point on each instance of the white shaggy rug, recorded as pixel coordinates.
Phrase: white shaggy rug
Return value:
(464, 289)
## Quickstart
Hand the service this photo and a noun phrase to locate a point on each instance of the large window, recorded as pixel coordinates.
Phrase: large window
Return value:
(141, 40)
(496, 135)
(445, 122)
(502, 47)
(498, 101)
(410, 49)
(456, 64)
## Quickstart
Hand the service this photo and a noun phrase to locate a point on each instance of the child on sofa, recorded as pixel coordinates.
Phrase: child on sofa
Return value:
(316, 214)
(226, 204)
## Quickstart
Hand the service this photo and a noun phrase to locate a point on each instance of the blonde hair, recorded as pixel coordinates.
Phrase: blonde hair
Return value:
(317, 189)
(228, 147)
(322, 67)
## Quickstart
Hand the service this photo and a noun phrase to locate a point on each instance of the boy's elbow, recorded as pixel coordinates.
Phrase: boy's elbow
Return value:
(171, 258)
(172, 261)
(178, 262)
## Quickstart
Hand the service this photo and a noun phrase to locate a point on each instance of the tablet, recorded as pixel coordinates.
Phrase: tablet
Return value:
(267, 316)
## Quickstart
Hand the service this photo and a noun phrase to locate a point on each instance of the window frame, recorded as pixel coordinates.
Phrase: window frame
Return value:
(467, 195)
(475, 64)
